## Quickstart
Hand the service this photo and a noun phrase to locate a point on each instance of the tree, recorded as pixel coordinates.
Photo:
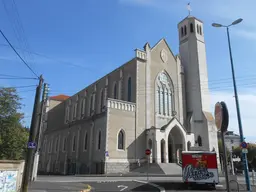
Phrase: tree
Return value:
(221, 148)
(13, 136)
(251, 155)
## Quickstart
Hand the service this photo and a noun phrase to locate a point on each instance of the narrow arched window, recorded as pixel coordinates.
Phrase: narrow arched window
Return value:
(191, 28)
(197, 28)
(64, 144)
(115, 91)
(129, 96)
(163, 100)
(200, 30)
(185, 30)
(99, 140)
(159, 99)
(199, 141)
(101, 100)
(85, 141)
(91, 104)
(121, 139)
(182, 32)
(74, 144)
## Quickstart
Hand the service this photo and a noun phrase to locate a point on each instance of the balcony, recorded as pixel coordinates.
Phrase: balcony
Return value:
(121, 105)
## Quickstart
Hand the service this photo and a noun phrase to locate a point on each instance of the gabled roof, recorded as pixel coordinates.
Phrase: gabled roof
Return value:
(163, 40)
(59, 97)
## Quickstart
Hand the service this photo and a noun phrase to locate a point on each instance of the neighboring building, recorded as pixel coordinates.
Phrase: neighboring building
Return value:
(232, 140)
(156, 100)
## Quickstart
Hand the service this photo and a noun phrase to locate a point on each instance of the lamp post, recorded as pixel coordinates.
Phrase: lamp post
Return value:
(244, 156)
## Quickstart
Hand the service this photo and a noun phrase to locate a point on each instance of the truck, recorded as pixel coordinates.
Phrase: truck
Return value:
(200, 167)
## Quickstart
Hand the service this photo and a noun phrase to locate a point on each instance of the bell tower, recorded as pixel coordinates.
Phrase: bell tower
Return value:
(193, 57)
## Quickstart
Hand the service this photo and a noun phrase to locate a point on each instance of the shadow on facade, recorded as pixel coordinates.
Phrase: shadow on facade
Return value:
(136, 152)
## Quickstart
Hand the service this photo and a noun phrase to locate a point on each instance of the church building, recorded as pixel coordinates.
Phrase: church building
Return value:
(157, 100)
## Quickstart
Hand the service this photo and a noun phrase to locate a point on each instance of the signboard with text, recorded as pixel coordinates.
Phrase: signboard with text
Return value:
(199, 167)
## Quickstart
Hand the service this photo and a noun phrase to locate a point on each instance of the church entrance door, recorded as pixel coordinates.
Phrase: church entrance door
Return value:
(176, 141)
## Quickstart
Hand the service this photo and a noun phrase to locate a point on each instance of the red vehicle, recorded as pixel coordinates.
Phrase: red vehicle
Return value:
(200, 167)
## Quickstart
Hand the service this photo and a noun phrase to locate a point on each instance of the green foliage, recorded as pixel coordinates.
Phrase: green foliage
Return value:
(13, 136)
(221, 148)
(251, 155)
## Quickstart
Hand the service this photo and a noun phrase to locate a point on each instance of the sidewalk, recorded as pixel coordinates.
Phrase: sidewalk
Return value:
(127, 175)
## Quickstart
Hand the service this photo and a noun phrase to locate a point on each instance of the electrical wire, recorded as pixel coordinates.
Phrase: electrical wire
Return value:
(18, 87)
(18, 78)
(24, 91)
(18, 54)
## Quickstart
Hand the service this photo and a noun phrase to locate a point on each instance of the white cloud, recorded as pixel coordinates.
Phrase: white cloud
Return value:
(250, 35)
(247, 101)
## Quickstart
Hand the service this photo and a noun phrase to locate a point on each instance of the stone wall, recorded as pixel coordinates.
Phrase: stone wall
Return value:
(122, 167)
(11, 173)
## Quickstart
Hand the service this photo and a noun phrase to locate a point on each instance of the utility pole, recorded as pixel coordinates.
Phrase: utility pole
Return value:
(39, 134)
(32, 137)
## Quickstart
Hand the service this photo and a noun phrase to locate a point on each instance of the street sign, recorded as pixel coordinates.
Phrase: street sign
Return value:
(244, 145)
(244, 150)
(218, 115)
(221, 116)
(148, 151)
(31, 145)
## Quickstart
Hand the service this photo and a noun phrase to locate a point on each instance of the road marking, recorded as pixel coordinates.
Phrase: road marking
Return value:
(152, 184)
(87, 189)
(123, 187)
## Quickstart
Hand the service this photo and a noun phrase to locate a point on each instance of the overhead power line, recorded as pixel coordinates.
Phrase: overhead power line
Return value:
(16, 78)
(18, 87)
(18, 54)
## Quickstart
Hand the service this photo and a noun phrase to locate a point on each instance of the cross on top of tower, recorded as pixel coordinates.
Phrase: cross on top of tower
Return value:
(189, 8)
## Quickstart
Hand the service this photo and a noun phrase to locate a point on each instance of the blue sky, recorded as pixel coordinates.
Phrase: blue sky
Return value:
(73, 44)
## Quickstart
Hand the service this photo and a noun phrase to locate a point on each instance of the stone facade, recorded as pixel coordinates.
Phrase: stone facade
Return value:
(156, 101)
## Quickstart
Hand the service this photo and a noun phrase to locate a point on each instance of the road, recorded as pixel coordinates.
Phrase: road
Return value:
(76, 184)
(110, 186)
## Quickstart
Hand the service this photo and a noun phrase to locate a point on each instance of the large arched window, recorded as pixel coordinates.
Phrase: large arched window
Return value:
(129, 96)
(99, 140)
(121, 140)
(164, 104)
(115, 91)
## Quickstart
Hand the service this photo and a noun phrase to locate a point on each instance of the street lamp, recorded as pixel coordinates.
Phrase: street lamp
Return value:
(246, 171)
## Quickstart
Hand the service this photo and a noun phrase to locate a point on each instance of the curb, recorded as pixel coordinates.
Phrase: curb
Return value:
(152, 184)
(145, 175)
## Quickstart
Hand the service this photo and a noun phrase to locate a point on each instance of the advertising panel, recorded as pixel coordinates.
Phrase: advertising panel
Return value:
(199, 167)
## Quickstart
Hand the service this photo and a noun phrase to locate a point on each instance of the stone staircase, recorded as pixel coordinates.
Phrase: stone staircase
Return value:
(158, 169)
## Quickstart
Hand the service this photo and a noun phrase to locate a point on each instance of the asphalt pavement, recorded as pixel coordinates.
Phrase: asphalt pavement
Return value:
(108, 186)
(77, 184)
